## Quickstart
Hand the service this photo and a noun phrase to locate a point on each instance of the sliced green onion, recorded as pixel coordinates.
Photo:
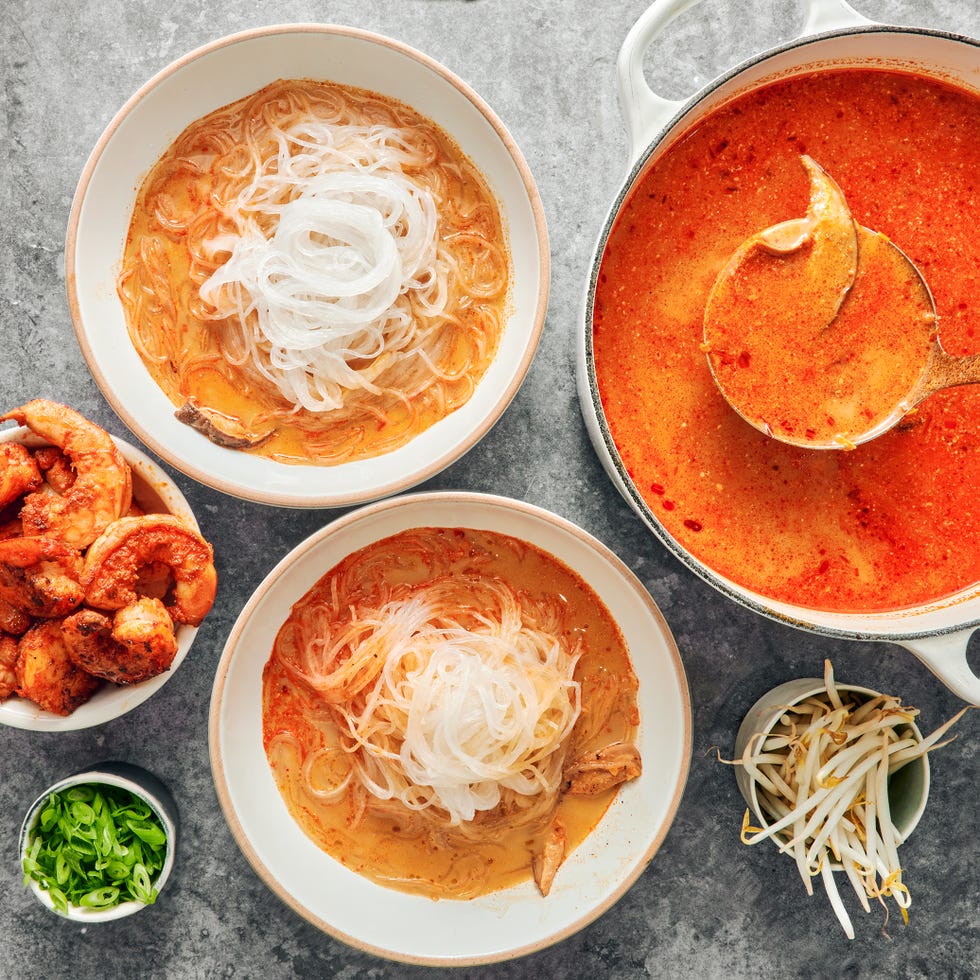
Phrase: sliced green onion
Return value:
(100, 898)
(95, 847)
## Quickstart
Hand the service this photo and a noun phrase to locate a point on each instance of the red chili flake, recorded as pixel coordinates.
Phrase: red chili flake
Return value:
(811, 433)
(743, 359)
(823, 567)
(693, 525)
(657, 488)
(669, 505)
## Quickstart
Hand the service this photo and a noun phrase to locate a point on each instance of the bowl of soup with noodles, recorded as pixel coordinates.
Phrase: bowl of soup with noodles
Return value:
(450, 728)
(879, 542)
(307, 286)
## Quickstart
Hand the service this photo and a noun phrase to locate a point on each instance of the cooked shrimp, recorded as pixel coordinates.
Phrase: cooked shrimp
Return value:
(55, 467)
(114, 561)
(103, 485)
(137, 643)
(8, 666)
(47, 675)
(40, 576)
(13, 621)
(146, 630)
(19, 473)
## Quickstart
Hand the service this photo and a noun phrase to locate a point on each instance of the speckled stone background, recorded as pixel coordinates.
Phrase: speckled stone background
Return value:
(707, 906)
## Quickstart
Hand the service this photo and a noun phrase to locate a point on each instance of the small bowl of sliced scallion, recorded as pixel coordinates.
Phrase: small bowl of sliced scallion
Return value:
(100, 844)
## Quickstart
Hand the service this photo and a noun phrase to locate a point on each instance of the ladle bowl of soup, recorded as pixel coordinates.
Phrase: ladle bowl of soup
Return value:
(881, 542)
(307, 265)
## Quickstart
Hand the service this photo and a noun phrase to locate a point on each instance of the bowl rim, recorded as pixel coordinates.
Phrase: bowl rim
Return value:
(441, 459)
(39, 720)
(432, 500)
(122, 776)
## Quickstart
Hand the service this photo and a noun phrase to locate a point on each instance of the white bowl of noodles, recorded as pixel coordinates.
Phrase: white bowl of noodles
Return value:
(336, 322)
(261, 716)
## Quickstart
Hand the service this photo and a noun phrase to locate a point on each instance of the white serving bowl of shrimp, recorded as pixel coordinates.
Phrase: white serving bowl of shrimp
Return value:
(96, 542)
(307, 265)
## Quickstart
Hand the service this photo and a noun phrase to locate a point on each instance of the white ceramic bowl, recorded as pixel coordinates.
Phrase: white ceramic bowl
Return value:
(412, 928)
(214, 76)
(908, 788)
(151, 487)
(140, 783)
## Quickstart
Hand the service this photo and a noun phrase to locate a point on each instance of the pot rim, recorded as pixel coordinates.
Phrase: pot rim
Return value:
(801, 617)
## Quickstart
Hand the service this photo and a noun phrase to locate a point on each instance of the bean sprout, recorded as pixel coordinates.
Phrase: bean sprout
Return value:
(821, 775)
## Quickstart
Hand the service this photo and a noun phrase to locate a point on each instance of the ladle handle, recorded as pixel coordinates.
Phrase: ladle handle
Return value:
(947, 371)
(645, 112)
(945, 655)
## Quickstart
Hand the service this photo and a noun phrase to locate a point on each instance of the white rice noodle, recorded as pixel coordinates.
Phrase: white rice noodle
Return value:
(460, 714)
(336, 252)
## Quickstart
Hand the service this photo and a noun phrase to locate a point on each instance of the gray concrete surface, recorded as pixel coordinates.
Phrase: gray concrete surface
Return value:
(707, 906)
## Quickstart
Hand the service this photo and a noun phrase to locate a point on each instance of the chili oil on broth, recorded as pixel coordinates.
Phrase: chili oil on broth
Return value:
(889, 525)
(385, 841)
(184, 212)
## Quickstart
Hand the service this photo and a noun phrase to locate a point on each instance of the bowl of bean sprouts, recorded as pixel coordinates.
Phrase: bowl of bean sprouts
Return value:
(837, 777)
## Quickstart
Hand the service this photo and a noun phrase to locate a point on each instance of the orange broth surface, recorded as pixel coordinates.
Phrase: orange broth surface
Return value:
(390, 845)
(889, 525)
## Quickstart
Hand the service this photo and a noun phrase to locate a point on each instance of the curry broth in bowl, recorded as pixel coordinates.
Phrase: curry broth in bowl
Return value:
(326, 334)
(490, 744)
(276, 703)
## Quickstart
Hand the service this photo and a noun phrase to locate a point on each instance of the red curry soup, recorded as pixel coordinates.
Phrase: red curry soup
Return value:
(890, 524)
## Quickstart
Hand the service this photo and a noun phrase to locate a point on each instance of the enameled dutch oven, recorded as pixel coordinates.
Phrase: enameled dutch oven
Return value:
(938, 633)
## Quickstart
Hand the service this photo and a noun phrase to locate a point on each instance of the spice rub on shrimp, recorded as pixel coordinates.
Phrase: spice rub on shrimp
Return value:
(103, 486)
(19, 473)
(39, 576)
(8, 666)
(46, 673)
(113, 565)
(137, 643)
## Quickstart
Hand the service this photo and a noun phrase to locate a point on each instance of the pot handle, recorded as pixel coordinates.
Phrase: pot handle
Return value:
(945, 656)
(827, 15)
(647, 113)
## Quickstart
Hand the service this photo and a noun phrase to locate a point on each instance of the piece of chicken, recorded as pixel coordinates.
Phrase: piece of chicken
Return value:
(595, 772)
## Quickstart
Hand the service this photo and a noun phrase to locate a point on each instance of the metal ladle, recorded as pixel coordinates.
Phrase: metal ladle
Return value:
(822, 333)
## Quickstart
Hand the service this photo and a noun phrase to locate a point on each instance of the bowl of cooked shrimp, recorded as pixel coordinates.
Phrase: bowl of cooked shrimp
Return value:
(104, 574)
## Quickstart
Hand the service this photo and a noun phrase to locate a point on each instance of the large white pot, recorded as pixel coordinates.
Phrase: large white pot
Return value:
(937, 633)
